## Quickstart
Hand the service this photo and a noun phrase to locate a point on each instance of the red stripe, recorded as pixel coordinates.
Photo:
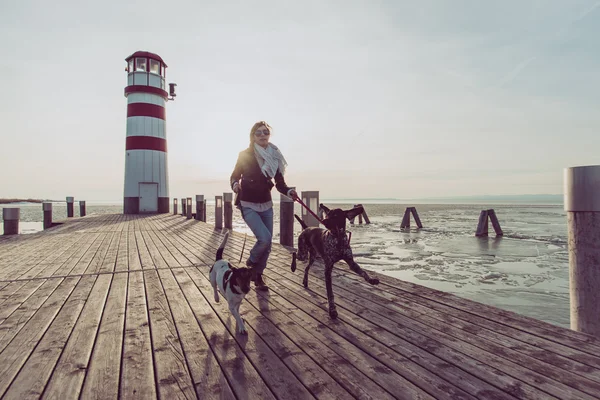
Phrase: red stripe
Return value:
(145, 143)
(145, 110)
(146, 89)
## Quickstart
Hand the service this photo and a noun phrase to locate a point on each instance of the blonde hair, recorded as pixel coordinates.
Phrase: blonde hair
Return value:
(255, 128)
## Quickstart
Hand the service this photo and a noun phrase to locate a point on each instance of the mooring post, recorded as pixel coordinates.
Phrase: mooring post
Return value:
(188, 208)
(47, 208)
(311, 199)
(406, 219)
(582, 204)
(183, 208)
(70, 201)
(495, 222)
(482, 226)
(200, 207)
(218, 212)
(286, 220)
(413, 211)
(365, 216)
(174, 206)
(82, 208)
(228, 210)
(11, 218)
(204, 211)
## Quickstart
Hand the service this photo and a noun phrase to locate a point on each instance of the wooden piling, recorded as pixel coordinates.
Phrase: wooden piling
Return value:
(218, 212)
(174, 206)
(183, 207)
(188, 208)
(47, 209)
(582, 204)
(495, 222)
(228, 210)
(70, 201)
(415, 215)
(200, 207)
(482, 226)
(365, 216)
(311, 199)
(11, 218)
(406, 219)
(82, 208)
(286, 220)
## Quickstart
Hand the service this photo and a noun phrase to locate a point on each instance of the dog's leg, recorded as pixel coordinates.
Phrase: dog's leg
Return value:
(239, 322)
(361, 272)
(213, 282)
(330, 300)
(311, 260)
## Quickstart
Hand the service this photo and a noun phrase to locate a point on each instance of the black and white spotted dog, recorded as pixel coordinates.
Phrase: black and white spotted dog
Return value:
(232, 282)
(331, 245)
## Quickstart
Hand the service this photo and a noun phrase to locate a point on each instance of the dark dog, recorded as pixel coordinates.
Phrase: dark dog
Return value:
(331, 245)
(232, 282)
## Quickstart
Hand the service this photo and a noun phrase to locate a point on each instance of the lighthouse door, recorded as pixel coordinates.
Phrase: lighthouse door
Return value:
(148, 197)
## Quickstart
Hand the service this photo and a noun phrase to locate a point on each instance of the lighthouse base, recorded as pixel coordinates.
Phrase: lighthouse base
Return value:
(131, 205)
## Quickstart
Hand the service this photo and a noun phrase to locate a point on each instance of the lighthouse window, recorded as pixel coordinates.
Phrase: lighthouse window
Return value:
(154, 67)
(140, 64)
(130, 69)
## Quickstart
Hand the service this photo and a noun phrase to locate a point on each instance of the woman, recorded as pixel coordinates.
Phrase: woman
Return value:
(251, 180)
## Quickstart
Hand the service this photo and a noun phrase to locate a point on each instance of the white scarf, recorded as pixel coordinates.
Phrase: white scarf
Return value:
(270, 159)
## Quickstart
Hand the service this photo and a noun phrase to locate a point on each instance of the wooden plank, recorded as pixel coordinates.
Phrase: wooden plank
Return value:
(122, 263)
(14, 356)
(172, 374)
(102, 377)
(34, 375)
(15, 322)
(92, 242)
(17, 299)
(209, 380)
(67, 379)
(241, 374)
(137, 378)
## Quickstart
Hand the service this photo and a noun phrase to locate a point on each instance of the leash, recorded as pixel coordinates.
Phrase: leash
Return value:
(316, 216)
(243, 247)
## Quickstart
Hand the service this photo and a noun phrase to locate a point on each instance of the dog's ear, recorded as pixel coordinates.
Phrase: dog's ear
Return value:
(325, 209)
(354, 212)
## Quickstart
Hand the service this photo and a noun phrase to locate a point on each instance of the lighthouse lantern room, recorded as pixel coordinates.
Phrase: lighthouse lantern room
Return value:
(146, 172)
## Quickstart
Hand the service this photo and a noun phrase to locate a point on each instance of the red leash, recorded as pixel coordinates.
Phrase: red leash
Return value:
(316, 216)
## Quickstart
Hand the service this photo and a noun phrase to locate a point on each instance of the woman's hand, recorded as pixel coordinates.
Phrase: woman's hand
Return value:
(292, 194)
(237, 187)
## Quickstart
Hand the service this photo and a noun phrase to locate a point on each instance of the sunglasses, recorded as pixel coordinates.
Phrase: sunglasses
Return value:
(262, 133)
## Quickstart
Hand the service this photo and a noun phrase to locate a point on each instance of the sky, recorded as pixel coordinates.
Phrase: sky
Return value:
(367, 99)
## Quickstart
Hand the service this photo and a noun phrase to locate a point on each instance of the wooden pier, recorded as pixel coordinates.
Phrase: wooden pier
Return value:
(120, 306)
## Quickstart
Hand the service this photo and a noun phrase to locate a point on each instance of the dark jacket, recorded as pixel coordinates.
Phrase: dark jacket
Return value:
(256, 187)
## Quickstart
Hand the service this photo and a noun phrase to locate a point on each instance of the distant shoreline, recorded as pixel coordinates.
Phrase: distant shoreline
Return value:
(10, 201)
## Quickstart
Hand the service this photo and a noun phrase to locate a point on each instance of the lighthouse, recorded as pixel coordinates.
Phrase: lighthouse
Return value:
(146, 172)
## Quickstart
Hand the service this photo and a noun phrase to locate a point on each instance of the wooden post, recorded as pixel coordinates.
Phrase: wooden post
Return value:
(482, 226)
(413, 211)
(174, 206)
(183, 204)
(582, 204)
(495, 222)
(70, 201)
(188, 208)
(82, 208)
(218, 212)
(200, 207)
(47, 208)
(365, 216)
(204, 211)
(406, 219)
(311, 199)
(11, 218)
(228, 210)
(286, 220)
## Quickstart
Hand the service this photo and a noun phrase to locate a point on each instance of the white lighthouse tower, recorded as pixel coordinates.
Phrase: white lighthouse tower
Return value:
(146, 173)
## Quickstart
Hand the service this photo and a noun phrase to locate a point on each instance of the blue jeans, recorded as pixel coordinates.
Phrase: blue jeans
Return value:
(261, 224)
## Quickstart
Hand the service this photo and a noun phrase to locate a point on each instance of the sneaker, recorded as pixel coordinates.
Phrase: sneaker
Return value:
(259, 283)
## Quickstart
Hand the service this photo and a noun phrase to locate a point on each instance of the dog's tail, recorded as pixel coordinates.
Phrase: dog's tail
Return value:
(222, 246)
(304, 226)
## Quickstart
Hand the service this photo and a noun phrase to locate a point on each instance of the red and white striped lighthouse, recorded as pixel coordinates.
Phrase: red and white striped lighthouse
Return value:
(146, 173)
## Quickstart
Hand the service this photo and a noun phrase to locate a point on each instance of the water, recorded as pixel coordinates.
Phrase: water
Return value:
(526, 271)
